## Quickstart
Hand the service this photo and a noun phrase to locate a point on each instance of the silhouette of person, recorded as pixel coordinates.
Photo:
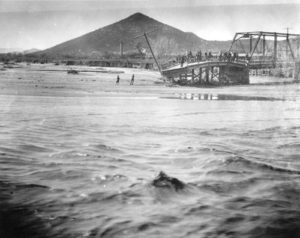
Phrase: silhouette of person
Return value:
(210, 56)
(220, 56)
(200, 55)
(118, 80)
(182, 61)
(229, 56)
(132, 80)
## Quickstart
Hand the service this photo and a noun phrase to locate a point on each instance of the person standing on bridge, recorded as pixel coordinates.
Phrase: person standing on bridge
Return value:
(233, 57)
(229, 56)
(220, 56)
(182, 61)
(198, 56)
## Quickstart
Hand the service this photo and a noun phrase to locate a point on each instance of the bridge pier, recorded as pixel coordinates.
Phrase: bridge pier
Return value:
(193, 76)
(207, 75)
(200, 75)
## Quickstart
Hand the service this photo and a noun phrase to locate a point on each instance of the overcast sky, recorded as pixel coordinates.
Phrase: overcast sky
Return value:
(45, 23)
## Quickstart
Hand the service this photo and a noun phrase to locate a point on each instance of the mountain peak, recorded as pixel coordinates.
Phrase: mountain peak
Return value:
(164, 39)
(138, 16)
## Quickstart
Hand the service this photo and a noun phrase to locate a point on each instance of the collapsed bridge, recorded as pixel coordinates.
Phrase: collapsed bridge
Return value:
(257, 52)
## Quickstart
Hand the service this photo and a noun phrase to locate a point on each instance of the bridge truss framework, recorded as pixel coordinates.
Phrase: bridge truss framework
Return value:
(261, 36)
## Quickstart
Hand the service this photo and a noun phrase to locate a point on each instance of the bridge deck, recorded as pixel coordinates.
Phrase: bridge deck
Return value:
(258, 64)
(203, 64)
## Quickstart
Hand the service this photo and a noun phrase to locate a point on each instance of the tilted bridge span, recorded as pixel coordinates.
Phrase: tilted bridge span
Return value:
(253, 55)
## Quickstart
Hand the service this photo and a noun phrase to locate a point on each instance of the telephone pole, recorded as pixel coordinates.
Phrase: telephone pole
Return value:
(287, 41)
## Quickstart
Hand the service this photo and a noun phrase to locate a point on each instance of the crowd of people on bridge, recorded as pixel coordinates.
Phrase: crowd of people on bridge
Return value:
(208, 56)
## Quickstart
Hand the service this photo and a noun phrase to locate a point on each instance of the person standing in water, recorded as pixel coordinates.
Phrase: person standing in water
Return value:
(132, 80)
(118, 80)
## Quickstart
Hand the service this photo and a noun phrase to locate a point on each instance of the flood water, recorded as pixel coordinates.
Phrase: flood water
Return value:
(84, 165)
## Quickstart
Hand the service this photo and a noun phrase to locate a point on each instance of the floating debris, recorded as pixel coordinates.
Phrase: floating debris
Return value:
(164, 181)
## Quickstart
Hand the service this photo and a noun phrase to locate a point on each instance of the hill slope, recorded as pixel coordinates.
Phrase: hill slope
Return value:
(163, 38)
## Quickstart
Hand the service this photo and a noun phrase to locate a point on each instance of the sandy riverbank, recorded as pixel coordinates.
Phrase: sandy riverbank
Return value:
(52, 80)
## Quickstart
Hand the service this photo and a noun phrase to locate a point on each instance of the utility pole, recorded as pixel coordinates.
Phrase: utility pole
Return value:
(152, 52)
(287, 29)
(147, 40)
(287, 42)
